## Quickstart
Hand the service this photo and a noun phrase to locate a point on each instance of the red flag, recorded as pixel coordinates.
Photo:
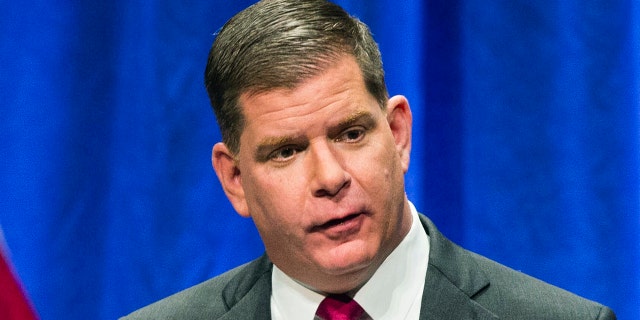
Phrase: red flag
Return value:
(13, 302)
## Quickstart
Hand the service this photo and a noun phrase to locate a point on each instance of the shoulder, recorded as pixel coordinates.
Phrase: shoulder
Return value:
(512, 294)
(206, 300)
(505, 292)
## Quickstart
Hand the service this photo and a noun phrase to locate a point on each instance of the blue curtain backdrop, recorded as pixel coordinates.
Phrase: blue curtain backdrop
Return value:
(526, 144)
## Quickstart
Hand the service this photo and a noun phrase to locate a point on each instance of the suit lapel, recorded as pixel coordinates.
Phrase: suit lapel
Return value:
(248, 295)
(452, 280)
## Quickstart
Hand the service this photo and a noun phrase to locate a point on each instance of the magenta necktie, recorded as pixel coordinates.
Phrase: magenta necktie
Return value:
(340, 307)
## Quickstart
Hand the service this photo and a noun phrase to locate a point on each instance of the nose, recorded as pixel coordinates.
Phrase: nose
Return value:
(328, 175)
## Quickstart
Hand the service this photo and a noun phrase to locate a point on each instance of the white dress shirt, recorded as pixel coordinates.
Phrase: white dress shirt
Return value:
(393, 292)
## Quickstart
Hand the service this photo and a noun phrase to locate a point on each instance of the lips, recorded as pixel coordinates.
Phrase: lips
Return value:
(338, 228)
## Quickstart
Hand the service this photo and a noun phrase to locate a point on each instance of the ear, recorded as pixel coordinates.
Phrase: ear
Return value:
(226, 168)
(399, 118)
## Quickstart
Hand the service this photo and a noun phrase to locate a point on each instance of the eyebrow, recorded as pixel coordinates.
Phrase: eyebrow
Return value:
(363, 117)
(268, 144)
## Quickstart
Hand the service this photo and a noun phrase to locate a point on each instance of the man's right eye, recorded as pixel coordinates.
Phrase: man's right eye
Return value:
(283, 154)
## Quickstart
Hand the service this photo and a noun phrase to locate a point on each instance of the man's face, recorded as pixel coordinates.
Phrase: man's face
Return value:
(321, 172)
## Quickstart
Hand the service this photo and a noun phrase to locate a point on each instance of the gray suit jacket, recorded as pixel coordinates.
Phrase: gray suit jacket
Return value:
(459, 285)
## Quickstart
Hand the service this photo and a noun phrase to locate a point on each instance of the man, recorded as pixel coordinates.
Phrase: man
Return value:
(315, 153)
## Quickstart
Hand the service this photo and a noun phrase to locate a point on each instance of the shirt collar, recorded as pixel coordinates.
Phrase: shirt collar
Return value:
(393, 292)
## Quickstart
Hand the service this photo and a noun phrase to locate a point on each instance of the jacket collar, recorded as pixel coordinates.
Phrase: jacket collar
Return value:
(248, 295)
(453, 279)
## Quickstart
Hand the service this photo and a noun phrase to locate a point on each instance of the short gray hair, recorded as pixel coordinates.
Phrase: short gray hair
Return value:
(278, 44)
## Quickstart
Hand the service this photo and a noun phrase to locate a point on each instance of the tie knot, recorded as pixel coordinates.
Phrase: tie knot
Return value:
(339, 307)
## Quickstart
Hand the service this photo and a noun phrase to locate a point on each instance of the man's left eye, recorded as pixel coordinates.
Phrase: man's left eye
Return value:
(352, 135)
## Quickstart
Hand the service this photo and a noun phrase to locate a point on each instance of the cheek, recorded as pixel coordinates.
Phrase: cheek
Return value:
(271, 199)
(382, 177)
(379, 164)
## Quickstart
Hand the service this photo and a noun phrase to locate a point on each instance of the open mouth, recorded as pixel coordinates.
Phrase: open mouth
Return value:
(343, 223)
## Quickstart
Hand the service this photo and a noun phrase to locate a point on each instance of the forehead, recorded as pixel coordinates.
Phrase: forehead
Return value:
(340, 85)
(323, 101)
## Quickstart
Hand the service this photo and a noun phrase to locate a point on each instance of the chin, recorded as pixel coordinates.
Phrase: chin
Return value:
(346, 268)
(345, 278)
(348, 263)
